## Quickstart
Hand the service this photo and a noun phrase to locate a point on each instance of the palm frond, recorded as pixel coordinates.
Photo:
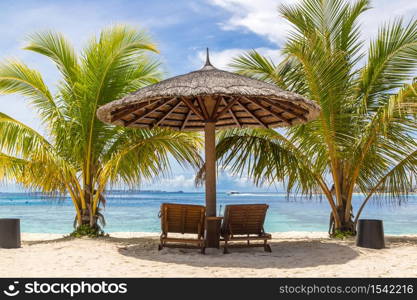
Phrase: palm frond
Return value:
(267, 157)
(11, 167)
(392, 61)
(18, 139)
(398, 180)
(368, 119)
(56, 47)
(144, 154)
(17, 78)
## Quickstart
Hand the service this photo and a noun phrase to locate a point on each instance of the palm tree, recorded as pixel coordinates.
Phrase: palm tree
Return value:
(364, 138)
(77, 154)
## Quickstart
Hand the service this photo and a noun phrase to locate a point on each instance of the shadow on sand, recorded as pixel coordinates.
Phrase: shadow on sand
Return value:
(394, 241)
(285, 254)
(290, 254)
(39, 242)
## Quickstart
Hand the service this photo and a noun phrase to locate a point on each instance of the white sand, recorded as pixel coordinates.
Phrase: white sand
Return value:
(294, 254)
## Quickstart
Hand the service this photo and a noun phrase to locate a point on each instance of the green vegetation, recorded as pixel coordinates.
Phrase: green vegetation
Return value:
(364, 138)
(86, 230)
(77, 154)
(338, 234)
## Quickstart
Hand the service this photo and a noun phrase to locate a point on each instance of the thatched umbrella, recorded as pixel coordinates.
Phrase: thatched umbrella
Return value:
(205, 100)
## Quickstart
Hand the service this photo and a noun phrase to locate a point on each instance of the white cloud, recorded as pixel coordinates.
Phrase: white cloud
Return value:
(384, 11)
(235, 181)
(242, 181)
(261, 17)
(225, 182)
(173, 183)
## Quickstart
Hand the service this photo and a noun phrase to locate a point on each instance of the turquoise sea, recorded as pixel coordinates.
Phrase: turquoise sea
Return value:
(138, 212)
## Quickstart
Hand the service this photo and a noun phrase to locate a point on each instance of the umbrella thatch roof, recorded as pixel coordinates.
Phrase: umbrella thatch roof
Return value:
(181, 103)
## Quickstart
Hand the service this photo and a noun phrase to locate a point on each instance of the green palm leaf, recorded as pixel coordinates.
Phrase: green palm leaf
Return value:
(364, 138)
(82, 156)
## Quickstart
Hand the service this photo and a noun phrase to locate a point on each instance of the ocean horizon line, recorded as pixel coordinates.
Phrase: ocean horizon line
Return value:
(232, 193)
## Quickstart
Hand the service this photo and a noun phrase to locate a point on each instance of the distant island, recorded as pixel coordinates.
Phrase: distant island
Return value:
(140, 191)
(109, 192)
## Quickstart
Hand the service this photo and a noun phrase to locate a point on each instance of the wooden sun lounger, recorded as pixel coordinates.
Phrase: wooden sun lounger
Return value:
(245, 222)
(184, 219)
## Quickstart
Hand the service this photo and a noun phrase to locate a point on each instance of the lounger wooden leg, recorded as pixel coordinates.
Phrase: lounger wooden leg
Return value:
(202, 246)
(267, 248)
(225, 250)
(161, 245)
(161, 239)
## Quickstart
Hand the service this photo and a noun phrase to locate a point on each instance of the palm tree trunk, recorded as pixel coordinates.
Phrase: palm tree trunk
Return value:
(78, 214)
(347, 224)
(87, 216)
(88, 219)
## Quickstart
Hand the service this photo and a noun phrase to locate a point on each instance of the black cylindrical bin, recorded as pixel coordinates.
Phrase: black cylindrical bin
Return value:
(9, 233)
(370, 234)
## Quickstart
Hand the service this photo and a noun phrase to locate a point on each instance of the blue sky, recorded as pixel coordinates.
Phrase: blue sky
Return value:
(182, 30)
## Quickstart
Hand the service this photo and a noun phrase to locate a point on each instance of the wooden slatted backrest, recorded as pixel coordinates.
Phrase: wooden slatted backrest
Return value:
(244, 218)
(182, 218)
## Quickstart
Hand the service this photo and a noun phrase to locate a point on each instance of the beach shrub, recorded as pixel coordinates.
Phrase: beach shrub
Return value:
(87, 231)
(339, 234)
(364, 138)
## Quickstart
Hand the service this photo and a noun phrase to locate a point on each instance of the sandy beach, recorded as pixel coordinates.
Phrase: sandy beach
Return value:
(294, 254)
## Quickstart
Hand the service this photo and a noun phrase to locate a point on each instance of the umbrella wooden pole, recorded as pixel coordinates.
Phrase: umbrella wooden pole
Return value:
(210, 157)
(212, 222)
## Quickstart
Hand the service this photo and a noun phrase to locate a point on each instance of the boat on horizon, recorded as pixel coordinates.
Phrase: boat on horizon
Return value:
(233, 193)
